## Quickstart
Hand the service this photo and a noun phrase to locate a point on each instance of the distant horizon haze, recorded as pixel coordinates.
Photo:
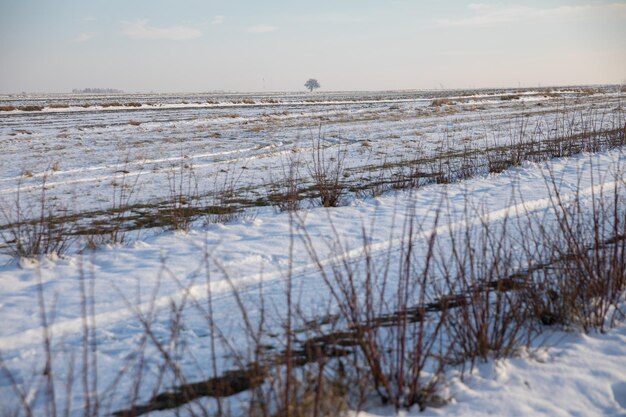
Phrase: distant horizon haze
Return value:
(303, 91)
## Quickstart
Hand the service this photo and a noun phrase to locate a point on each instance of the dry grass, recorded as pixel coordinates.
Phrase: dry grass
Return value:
(510, 97)
(438, 102)
(327, 173)
(111, 104)
(397, 320)
(33, 231)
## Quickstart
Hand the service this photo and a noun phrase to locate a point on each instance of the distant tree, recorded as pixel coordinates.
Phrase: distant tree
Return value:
(96, 91)
(312, 84)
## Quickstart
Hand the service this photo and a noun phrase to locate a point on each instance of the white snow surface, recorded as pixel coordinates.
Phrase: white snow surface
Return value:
(84, 155)
(83, 152)
(573, 375)
(578, 375)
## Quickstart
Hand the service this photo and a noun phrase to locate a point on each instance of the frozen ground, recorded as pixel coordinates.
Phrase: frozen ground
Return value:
(84, 150)
(85, 153)
(578, 375)
(150, 275)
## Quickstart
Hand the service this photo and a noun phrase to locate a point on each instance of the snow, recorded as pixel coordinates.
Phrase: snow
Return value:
(83, 155)
(257, 250)
(567, 374)
(573, 375)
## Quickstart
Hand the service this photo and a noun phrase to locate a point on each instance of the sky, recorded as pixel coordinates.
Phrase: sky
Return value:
(272, 45)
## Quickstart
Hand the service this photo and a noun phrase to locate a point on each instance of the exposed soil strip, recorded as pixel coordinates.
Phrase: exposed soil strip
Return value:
(442, 169)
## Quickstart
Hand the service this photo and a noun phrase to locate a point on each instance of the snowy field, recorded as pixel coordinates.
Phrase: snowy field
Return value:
(242, 143)
(108, 315)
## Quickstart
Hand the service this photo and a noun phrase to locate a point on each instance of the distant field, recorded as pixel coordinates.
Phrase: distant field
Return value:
(169, 255)
(87, 147)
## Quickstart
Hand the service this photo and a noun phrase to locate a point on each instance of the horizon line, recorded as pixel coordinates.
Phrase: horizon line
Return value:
(123, 92)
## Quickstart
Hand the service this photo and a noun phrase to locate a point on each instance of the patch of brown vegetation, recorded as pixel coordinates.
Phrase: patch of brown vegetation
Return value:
(111, 104)
(30, 108)
(509, 97)
(438, 102)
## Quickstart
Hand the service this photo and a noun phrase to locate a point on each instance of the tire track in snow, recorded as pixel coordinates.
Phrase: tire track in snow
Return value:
(222, 288)
(130, 173)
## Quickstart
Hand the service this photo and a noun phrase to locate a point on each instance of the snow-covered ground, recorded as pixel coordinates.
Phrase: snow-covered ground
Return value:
(85, 154)
(152, 274)
(113, 287)
(573, 375)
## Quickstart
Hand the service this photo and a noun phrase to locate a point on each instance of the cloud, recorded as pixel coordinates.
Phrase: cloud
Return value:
(83, 37)
(490, 15)
(217, 20)
(262, 29)
(141, 30)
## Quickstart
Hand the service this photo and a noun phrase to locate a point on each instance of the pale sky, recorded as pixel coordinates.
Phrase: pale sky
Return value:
(272, 45)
